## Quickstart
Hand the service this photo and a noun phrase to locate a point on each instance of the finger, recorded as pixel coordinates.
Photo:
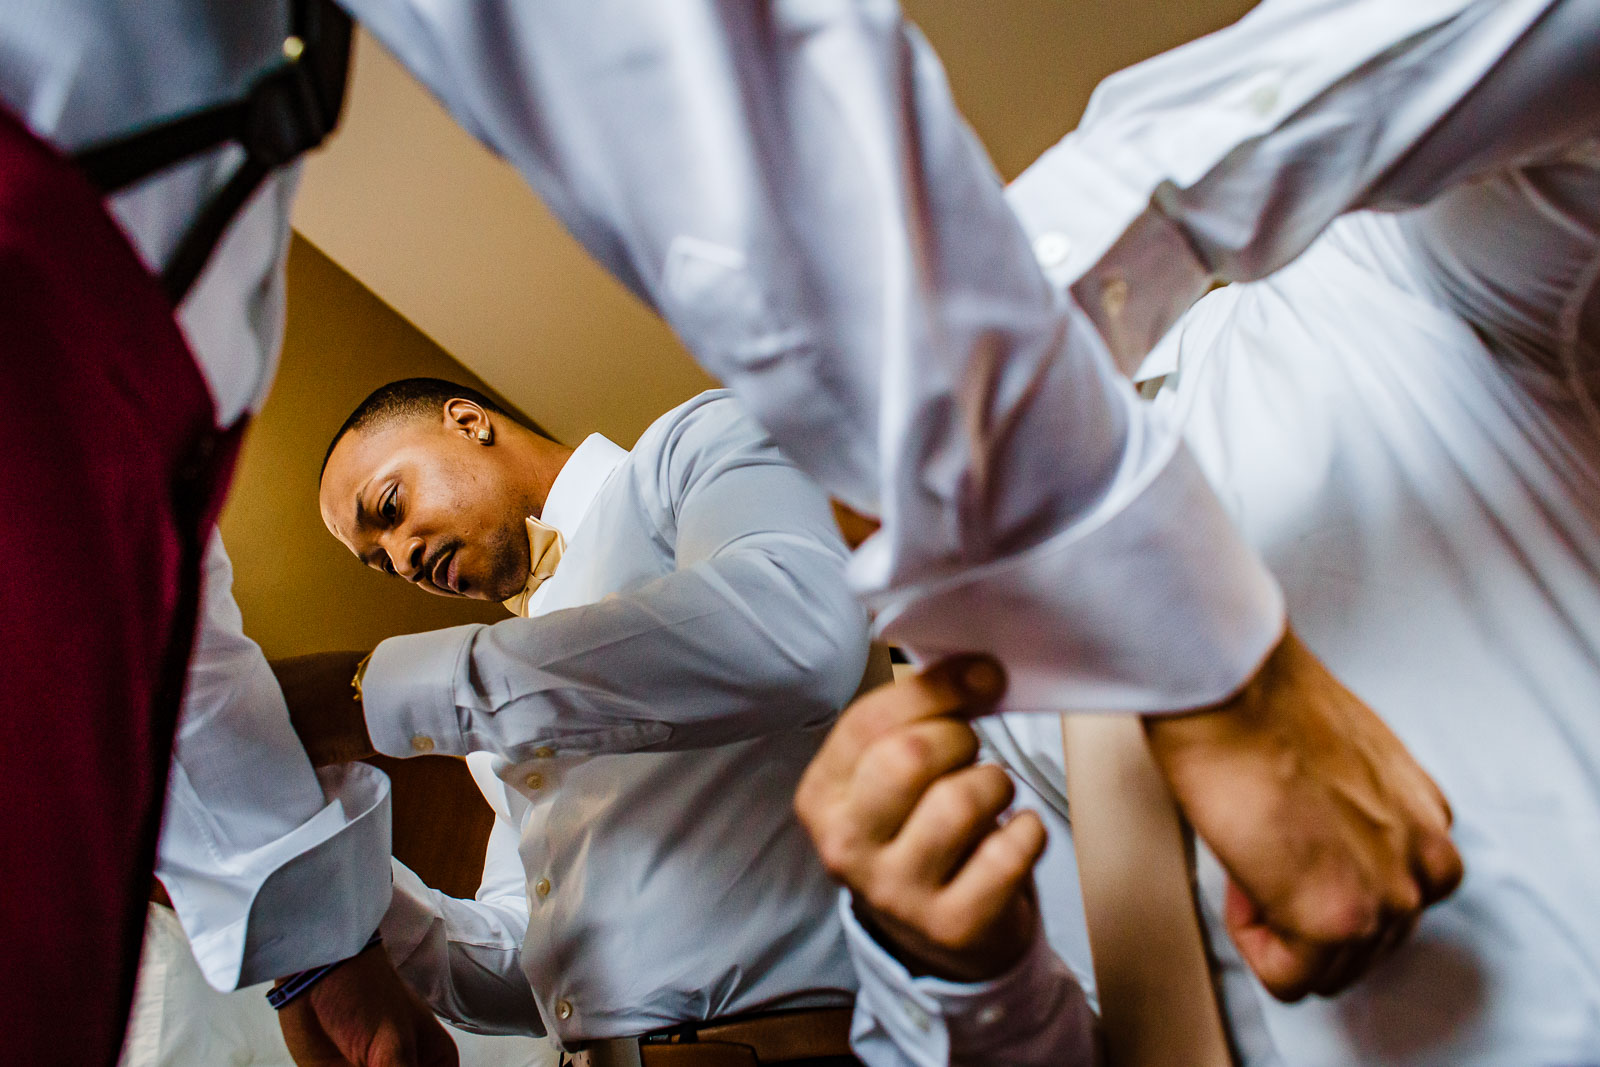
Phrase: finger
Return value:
(1394, 936)
(898, 770)
(961, 683)
(997, 873)
(1438, 868)
(954, 816)
(1333, 904)
(1345, 964)
(1286, 967)
(970, 684)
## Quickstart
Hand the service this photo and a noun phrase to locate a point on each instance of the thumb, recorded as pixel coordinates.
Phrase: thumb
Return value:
(1287, 967)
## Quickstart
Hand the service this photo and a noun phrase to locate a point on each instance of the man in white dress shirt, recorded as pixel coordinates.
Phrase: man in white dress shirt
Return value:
(639, 734)
(1405, 422)
(792, 187)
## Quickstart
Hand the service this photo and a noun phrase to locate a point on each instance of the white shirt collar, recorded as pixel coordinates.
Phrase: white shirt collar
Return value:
(579, 482)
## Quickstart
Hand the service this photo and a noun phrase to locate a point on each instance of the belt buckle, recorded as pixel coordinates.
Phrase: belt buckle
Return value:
(609, 1052)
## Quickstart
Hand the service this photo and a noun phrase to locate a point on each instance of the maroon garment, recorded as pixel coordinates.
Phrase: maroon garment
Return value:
(111, 473)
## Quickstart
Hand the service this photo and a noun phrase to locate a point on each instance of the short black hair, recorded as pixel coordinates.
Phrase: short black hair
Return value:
(413, 398)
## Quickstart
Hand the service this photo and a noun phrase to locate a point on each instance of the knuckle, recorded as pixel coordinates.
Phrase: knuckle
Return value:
(902, 756)
(837, 851)
(953, 805)
(1343, 915)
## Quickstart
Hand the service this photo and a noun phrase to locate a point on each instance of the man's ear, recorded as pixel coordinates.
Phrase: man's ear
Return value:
(468, 419)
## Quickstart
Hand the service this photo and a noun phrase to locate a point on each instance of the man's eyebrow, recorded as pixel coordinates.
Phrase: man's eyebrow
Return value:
(361, 510)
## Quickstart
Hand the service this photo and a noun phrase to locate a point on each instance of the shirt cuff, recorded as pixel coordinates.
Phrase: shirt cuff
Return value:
(412, 913)
(1097, 236)
(408, 693)
(1034, 1013)
(314, 896)
(1152, 603)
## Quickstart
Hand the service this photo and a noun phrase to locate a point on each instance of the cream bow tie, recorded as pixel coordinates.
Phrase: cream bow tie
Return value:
(545, 545)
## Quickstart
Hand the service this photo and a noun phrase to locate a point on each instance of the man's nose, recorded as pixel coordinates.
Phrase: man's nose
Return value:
(407, 558)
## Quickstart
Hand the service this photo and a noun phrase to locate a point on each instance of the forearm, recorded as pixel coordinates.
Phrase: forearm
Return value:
(726, 650)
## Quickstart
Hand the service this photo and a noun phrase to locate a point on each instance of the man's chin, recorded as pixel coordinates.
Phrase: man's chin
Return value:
(501, 591)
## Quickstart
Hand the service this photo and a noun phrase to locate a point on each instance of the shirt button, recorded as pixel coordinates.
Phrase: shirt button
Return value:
(542, 887)
(990, 1014)
(1264, 99)
(534, 781)
(1051, 249)
(422, 743)
(1114, 296)
(916, 1014)
(543, 752)
(564, 1009)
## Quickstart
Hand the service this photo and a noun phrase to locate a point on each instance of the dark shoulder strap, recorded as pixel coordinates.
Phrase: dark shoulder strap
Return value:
(287, 112)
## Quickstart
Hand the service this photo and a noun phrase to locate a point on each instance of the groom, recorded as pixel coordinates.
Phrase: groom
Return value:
(640, 734)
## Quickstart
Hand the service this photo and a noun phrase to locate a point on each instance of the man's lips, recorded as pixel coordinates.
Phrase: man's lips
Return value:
(443, 573)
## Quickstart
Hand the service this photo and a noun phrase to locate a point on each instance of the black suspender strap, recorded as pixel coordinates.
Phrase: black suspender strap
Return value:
(287, 112)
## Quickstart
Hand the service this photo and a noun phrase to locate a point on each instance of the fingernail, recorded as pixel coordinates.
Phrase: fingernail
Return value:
(983, 679)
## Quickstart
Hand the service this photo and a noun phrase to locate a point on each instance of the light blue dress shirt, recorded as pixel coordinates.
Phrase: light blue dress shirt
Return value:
(700, 602)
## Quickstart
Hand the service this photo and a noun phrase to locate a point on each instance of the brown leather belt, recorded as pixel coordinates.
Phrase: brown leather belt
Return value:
(813, 1034)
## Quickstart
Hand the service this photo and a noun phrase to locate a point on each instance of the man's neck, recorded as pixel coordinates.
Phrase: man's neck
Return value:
(546, 459)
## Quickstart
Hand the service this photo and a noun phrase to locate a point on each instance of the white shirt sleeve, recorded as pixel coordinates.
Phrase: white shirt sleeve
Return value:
(755, 630)
(1034, 1014)
(271, 866)
(465, 956)
(1226, 158)
(789, 183)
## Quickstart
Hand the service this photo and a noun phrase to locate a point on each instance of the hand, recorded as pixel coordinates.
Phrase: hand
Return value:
(323, 708)
(902, 816)
(1333, 836)
(362, 1015)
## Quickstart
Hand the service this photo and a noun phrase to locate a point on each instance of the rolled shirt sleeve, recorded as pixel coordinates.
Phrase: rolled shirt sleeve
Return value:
(271, 866)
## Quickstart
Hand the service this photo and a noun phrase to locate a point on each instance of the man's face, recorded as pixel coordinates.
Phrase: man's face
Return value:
(423, 500)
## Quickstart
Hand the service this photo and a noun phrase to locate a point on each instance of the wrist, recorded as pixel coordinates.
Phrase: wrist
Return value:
(1251, 720)
(982, 959)
(291, 987)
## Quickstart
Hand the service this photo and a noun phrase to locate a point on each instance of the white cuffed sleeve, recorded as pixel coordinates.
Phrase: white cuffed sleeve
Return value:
(272, 867)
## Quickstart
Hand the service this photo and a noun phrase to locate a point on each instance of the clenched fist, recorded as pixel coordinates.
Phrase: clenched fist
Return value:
(902, 814)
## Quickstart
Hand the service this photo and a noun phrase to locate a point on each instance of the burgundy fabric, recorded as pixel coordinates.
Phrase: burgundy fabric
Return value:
(111, 470)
